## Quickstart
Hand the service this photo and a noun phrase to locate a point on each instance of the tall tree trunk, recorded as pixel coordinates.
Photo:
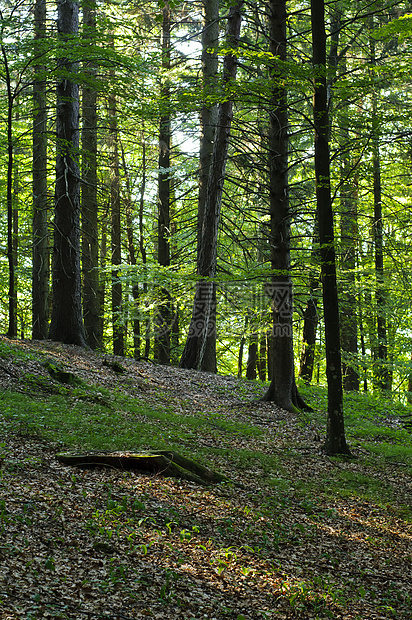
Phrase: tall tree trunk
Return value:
(12, 292)
(252, 356)
(103, 264)
(208, 120)
(90, 235)
(310, 324)
(348, 221)
(310, 315)
(409, 392)
(142, 246)
(262, 357)
(163, 319)
(116, 230)
(201, 324)
(132, 251)
(240, 354)
(15, 222)
(40, 253)
(363, 347)
(348, 310)
(282, 389)
(335, 431)
(381, 372)
(66, 321)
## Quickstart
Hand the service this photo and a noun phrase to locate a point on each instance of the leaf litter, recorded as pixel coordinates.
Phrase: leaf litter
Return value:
(271, 544)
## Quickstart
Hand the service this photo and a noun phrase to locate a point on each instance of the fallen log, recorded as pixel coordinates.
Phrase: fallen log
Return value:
(159, 462)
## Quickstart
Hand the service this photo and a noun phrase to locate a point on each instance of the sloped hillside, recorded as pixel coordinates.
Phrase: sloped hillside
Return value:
(292, 534)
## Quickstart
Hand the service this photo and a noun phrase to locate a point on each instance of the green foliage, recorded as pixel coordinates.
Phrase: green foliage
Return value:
(288, 499)
(125, 50)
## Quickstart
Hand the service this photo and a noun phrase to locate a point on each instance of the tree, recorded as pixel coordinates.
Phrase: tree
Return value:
(12, 92)
(116, 229)
(201, 324)
(66, 321)
(40, 270)
(163, 318)
(335, 431)
(282, 389)
(348, 231)
(311, 314)
(208, 120)
(89, 206)
(381, 348)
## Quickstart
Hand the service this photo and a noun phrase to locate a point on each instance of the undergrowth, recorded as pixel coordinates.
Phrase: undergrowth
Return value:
(287, 497)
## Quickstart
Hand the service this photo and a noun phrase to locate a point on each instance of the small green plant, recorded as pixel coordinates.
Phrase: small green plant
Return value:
(50, 564)
(166, 591)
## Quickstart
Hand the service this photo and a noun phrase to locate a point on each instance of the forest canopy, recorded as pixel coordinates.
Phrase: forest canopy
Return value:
(159, 177)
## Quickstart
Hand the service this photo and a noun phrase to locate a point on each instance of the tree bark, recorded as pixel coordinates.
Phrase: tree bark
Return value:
(66, 321)
(142, 246)
(90, 235)
(208, 120)
(40, 252)
(282, 389)
(348, 217)
(348, 314)
(262, 357)
(164, 314)
(335, 430)
(132, 251)
(116, 231)
(381, 372)
(202, 325)
(311, 316)
(12, 292)
(310, 324)
(15, 226)
(103, 264)
(252, 357)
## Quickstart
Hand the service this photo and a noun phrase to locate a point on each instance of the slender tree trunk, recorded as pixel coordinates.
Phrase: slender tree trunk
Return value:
(240, 356)
(90, 235)
(335, 431)
(381, 350)
(202, 324)
(208, 120)
(269, 336)
(252, 356)
(381, 373)
(142, 245)
(66, 321)
(103, 267)
(348, 313)
(282, 389)
(12, 317)
(363, 347)
(348, 316)
(409, 392)
(311, 316)
(310, 324)
(40, 254)
(132, 257)
(15, 224)
(262, 357)
(116, 230)
(163, 319)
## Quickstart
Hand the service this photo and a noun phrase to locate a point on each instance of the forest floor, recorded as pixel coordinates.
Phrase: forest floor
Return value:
(293, 534)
